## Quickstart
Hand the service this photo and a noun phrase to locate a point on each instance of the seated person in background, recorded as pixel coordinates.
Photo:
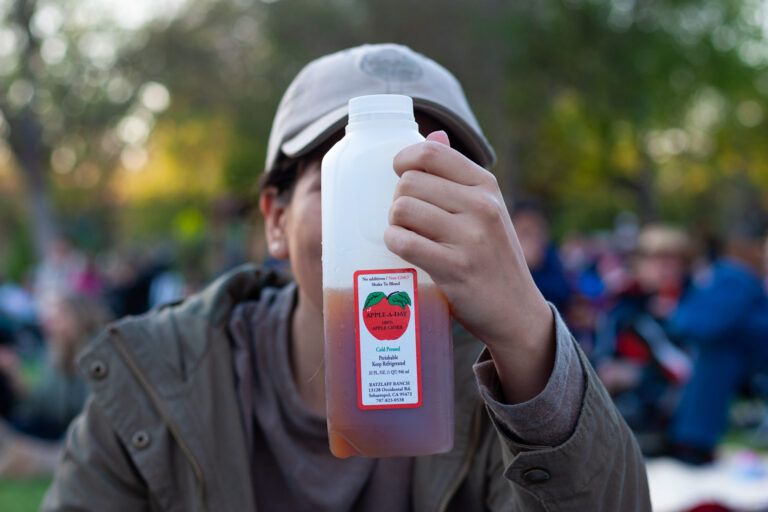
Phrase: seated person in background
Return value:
(765, 264)
(725, 319)
(634, 356)
(541, 255)
(8, 363)
(29, 436)
(68, 321)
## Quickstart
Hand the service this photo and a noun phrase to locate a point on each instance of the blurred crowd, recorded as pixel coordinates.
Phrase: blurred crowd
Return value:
(676, 328)
(45, 322)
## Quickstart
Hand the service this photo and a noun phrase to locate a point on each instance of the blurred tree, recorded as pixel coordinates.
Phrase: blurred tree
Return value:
(596, 106)
(630, 105)
(26, 130)
(70, 114)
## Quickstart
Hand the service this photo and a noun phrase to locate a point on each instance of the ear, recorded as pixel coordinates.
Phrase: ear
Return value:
(274, 210)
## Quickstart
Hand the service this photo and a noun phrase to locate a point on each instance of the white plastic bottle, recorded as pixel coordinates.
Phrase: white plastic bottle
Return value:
(388, 351)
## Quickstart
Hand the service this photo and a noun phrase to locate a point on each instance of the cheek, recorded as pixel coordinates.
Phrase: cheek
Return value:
(309, 231)
(306, 245)
(306, 260)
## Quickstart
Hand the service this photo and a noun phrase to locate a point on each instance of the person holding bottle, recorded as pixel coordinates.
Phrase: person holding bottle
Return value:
(218, 403)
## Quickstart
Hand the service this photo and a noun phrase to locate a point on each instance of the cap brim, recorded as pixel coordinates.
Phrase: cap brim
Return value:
(316, 133)
(479, 148)
(324, 127)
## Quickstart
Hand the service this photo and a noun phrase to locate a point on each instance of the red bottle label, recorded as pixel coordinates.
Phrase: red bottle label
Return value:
(387, 339)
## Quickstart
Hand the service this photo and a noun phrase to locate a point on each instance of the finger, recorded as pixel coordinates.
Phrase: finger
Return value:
(447, 195)
(438, 159)
(421, 217)
(439, 136)
(418, 250)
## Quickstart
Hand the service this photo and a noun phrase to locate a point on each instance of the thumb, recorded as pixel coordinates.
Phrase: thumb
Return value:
(439, 136)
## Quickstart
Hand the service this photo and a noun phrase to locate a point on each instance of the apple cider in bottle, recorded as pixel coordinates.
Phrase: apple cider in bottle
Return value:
(388, 351)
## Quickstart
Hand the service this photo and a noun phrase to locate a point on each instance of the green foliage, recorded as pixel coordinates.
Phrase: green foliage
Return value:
(245, 157)
(22, 495)
(183, 218)
(16, 251)
(595, 106)
(611, 107)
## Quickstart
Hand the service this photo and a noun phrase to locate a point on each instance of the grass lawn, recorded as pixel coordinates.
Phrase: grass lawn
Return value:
(22, 495)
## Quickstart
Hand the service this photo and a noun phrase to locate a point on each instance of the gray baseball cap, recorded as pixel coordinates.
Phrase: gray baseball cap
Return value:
(314, 106)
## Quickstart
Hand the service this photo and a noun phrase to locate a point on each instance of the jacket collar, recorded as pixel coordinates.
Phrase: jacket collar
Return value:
(192, 325)
(158, 371)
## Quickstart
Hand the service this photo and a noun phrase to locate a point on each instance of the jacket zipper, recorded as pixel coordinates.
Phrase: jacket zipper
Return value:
(155, 399)
(467, 460)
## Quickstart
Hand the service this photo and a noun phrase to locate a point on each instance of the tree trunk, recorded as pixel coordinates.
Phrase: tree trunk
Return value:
(31, 161)
(646, 194)
(26, 140)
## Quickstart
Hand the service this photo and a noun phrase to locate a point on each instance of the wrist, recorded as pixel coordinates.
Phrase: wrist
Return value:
(527, 329)
(525, 358)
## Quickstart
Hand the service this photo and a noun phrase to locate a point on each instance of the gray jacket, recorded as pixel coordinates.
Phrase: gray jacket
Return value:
(163, 430)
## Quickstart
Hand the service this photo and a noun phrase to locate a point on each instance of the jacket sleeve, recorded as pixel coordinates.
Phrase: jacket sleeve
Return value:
(95, 472)
(550, 417)
(598, 467)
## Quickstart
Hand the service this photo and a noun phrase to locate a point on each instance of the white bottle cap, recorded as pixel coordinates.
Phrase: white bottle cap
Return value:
(374, 105)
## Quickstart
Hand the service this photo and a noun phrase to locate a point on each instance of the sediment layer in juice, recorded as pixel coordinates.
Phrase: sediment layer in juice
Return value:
(398, 431)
